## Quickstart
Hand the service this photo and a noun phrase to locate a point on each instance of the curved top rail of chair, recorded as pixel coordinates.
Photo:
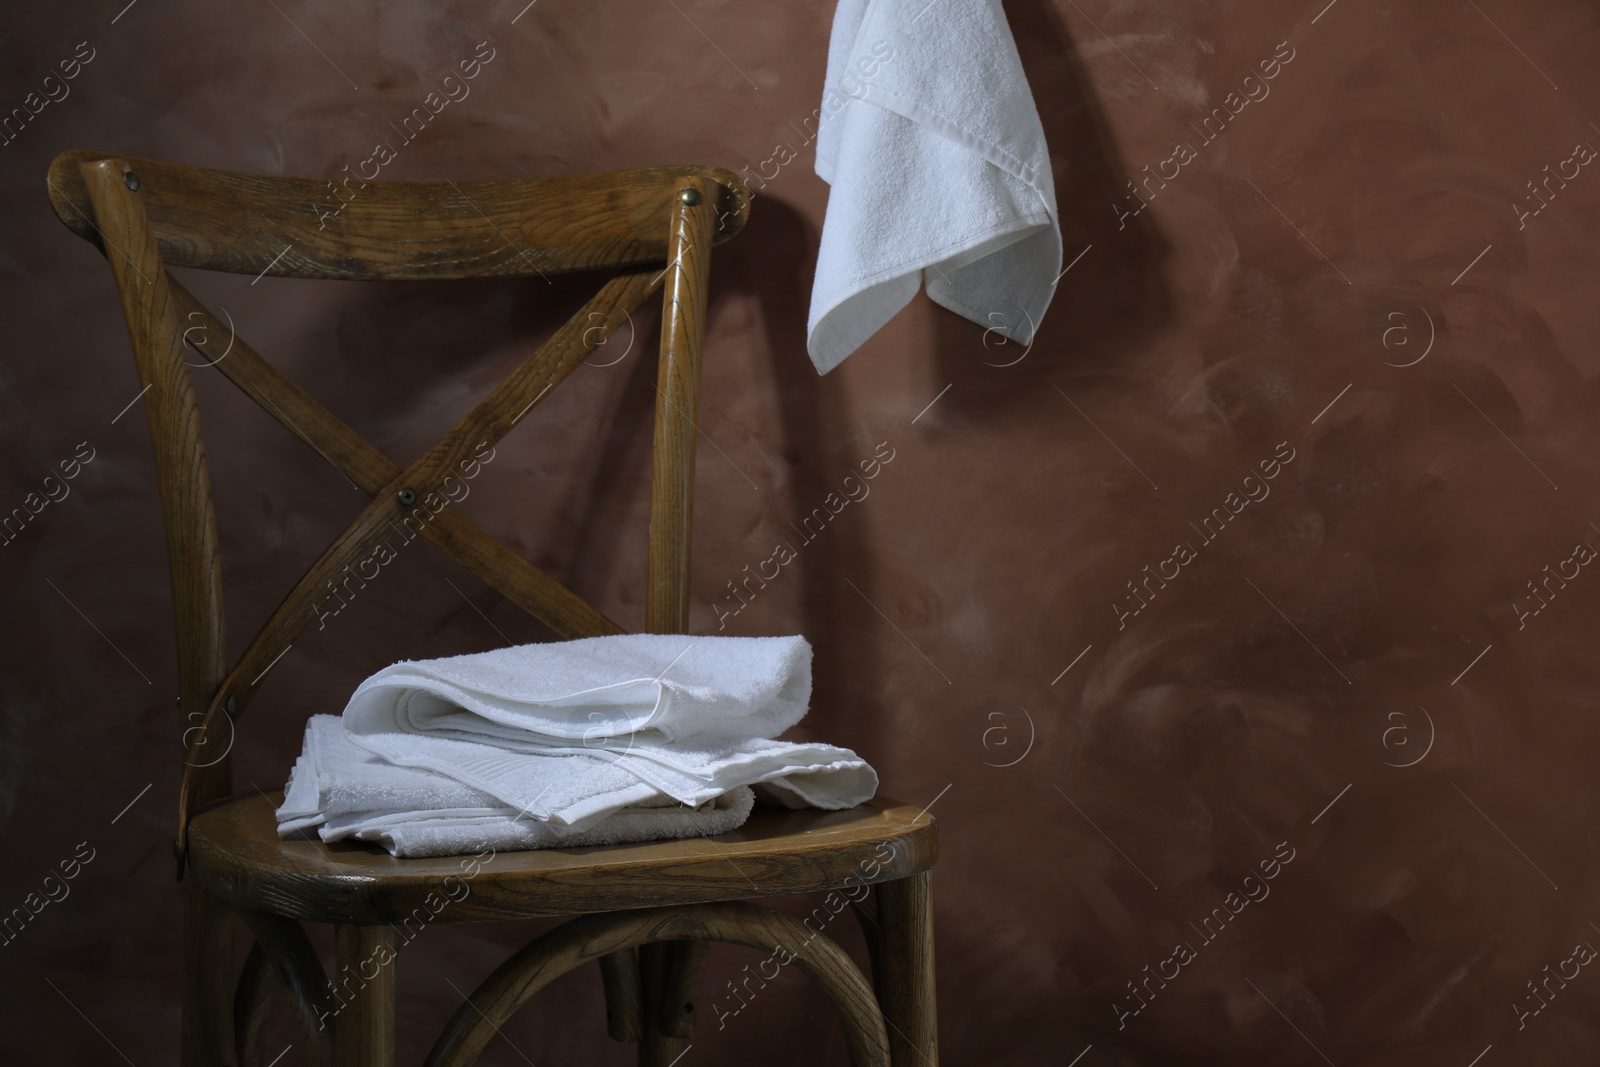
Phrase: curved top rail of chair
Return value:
(398, 230)
(234, 850)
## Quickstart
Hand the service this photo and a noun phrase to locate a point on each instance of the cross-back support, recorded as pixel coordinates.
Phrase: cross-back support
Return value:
(655, 224)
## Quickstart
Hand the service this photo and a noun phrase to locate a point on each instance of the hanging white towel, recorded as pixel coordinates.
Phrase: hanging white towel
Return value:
(933, 147)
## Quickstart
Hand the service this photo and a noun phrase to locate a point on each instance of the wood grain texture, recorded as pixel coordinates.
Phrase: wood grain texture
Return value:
(207, 979)
(281, 397)
(671, 519)
(594, 936)
(182, 476)
(524, 227)
(905, 978)
(252, 1002)
(235, 850)
(619, 974)
(866, 913)
(657, 1046)
(364, 983)
(301, 976)
(677, 1002)
(677, 397)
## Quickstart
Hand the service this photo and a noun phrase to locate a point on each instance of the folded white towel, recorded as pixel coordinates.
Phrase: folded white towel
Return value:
(933, 146)
(336, 777)
(573, 786)
(582, 742)
(445, 834)
(342, 790)
(527, 696)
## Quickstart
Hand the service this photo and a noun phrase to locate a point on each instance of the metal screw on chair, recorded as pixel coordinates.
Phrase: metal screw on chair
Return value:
(407, 497)
(690, 197)
(131, 180)
(232, 707)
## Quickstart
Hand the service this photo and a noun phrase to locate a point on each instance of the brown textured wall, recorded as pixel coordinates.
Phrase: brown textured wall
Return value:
(1345, 688)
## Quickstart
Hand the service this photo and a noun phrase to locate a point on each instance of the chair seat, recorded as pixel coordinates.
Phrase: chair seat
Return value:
(235, 851)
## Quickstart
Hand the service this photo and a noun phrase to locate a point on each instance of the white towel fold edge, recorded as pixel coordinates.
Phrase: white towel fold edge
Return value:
(419, 837)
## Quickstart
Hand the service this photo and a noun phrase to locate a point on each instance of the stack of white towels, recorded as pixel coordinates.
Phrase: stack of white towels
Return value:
(597, 741)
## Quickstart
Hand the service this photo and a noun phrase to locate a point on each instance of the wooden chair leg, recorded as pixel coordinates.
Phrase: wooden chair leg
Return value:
(364, 989)
(672, 1014)
(904, 982)
(619, 973)
(207, 980)
(680, 988)
(866, 912)
(658, 1050)
(656, 1047)
(252, 999)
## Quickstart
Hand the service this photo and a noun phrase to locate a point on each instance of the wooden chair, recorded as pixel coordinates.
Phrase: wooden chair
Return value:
(647, 911)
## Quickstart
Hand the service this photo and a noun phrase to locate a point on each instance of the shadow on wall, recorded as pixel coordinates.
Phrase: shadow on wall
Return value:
(1109, 307)
(772, 262)
(1111, 301)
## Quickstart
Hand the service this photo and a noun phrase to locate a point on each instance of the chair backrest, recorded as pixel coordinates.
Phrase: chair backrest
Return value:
(654, 226)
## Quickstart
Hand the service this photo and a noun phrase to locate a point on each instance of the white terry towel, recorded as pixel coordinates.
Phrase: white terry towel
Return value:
(573, 786)
(342, 790)
(597, 736)
(933, 146)
(680, 687)
(474, 830)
